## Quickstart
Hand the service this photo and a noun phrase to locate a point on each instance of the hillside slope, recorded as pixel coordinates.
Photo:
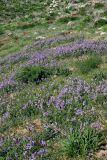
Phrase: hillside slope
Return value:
(53, 80)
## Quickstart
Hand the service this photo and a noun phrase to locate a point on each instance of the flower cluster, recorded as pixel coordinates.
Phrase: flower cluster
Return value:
(78, 47)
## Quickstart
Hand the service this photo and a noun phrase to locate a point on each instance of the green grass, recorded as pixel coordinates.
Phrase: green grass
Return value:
(88, 64)
(22, 23)
(81, 143)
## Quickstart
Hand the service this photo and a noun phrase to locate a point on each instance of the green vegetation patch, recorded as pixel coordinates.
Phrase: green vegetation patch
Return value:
(67, 19)
(100, 22)
(86, 65)
(32, 74)
(98, 5)
(83, 142)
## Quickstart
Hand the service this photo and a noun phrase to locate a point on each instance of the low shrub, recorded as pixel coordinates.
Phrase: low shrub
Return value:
(86, 65)
(83, 142)
(98, 5)
(32, 74)
(100, 22)
(67, 19)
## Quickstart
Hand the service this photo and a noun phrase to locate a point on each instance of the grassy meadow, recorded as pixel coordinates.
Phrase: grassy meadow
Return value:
(53, 80)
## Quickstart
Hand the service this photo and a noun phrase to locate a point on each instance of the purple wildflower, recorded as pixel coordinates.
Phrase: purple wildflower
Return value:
(96, 125)
(45, 113)
(43, 143)
(79, 112)
(6, 115)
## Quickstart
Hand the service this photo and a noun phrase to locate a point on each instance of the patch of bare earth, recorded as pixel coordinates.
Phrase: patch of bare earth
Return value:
(102, 153)
(37, 125)
(20, 131)
(12, 95)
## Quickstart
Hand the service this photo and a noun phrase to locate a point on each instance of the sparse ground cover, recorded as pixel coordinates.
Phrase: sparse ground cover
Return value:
(53, 82)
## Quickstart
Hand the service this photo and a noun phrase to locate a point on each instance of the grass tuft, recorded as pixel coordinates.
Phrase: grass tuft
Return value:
(86, 65)
(83, 142)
